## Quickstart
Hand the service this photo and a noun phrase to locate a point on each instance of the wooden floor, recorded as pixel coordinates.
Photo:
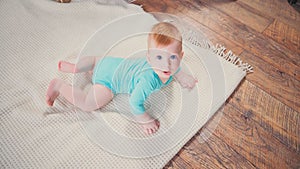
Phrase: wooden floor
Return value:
(260, 124)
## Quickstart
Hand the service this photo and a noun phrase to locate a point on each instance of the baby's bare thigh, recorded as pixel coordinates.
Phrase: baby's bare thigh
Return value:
(98, 96)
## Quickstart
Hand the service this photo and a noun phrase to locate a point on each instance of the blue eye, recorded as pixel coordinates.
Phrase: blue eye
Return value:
(159, 57)
(173, 57)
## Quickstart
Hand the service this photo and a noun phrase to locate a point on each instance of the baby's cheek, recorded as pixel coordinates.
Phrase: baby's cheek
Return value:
(175, 66)
(160, 65)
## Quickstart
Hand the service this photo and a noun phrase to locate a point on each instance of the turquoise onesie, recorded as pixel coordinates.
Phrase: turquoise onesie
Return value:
(133, 76)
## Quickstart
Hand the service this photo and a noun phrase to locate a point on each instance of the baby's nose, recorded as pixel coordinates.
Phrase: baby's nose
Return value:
(167, 64)
(166, 67)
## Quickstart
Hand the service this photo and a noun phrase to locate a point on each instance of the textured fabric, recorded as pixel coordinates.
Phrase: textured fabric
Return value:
(35, 35)
(132, 76)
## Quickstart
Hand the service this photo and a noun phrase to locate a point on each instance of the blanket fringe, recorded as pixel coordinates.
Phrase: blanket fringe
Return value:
(193, 37)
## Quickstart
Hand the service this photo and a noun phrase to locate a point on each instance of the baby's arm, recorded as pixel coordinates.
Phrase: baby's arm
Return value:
(185, 80)
(139, 95)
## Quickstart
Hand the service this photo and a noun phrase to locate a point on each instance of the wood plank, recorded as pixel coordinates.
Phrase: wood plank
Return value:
(212, 153)
(247, 138)
(216, 38)
(203, 158)
(216, 150)
(243, 13)
(280, 85)
(279, 9)
(272, 115)
(284, 34)
(177, 162)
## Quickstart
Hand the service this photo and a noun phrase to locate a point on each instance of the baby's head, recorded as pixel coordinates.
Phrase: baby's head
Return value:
(164, 49)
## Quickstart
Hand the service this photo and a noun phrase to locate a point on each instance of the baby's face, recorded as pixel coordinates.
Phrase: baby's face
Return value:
(165, 60)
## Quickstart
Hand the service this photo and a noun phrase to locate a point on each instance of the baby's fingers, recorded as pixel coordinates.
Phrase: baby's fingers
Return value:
(157, 123)
(156, 127)
(150, 131)
(145, 131)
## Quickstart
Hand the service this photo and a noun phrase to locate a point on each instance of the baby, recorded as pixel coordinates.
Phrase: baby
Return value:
(138, 77)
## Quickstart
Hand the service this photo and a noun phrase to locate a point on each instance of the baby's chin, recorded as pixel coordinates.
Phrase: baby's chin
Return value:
(164, 75)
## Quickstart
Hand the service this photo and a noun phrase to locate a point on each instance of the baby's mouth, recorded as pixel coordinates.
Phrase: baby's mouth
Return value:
(168, 73)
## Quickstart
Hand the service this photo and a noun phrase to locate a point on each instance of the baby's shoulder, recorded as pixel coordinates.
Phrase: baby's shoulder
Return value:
(150, 80)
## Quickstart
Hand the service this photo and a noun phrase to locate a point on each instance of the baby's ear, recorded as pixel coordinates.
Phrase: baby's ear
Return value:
(181, 54)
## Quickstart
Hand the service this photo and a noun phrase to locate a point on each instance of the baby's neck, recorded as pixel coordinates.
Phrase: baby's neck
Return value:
(163, 80)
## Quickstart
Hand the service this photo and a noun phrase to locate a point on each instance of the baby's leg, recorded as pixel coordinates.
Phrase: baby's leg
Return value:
(97, 97)
(66, 67)
(84, 64)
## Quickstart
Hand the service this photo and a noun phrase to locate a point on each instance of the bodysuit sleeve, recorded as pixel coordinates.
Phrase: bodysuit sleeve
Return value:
(141, 92)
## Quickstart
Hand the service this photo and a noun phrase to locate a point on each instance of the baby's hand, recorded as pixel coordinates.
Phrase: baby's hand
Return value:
(151, 127)
(185, 80)
(149, 124)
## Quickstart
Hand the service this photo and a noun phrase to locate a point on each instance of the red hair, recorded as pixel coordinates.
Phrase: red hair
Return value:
(165, 33)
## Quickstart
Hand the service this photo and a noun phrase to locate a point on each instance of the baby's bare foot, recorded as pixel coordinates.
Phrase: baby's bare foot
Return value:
(53, 91)
(66, 67)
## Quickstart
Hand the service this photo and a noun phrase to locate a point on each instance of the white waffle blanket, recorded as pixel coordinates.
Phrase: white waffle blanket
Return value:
(36, 34)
